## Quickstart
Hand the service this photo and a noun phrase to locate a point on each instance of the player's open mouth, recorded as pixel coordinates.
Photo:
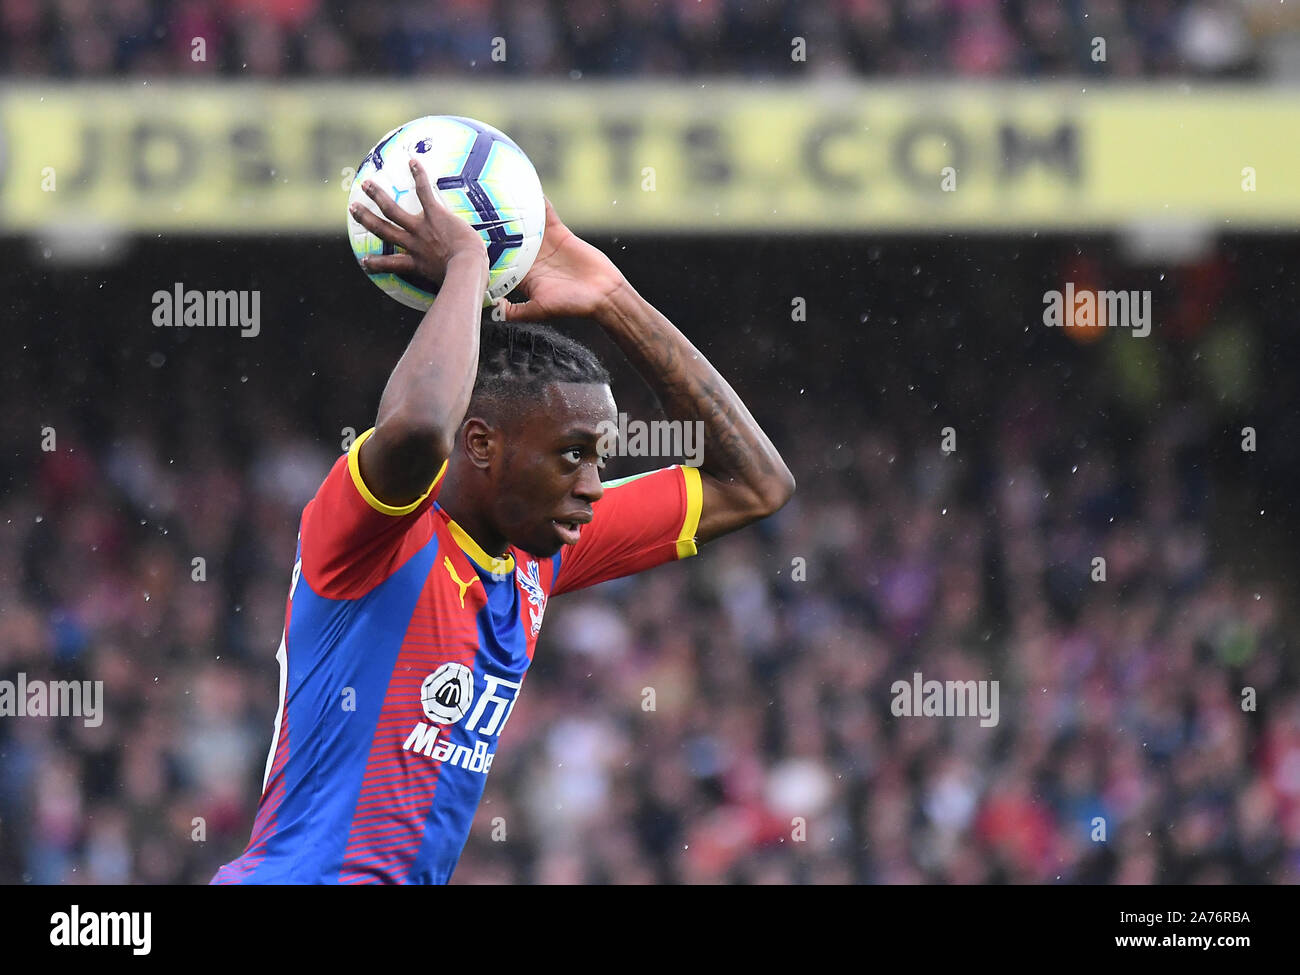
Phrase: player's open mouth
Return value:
(568, 531)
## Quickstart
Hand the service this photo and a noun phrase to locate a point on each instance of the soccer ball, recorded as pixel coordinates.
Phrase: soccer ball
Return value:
(482, 176)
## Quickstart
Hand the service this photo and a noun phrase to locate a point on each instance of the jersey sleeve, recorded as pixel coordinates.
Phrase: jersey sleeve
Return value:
(638, 523)
(352, 541)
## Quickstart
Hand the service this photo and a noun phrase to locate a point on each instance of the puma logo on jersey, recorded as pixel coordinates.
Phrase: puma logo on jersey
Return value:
(464, 585)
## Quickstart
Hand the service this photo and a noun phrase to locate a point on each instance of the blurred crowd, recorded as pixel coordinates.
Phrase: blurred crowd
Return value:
(649, 38)
(1122, 753)
(725, 719)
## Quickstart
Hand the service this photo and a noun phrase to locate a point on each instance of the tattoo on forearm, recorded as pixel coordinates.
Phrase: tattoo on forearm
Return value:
(735, 446)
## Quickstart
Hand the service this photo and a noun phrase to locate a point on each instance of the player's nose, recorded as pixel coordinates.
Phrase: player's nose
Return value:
(588, 486)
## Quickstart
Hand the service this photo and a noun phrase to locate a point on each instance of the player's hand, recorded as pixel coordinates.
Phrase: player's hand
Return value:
(430, 238)
(569, 279)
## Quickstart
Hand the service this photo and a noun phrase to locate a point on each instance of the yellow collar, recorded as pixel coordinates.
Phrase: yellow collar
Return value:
(491, 563)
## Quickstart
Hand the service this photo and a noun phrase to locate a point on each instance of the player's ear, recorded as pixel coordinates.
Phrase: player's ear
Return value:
(481, 442)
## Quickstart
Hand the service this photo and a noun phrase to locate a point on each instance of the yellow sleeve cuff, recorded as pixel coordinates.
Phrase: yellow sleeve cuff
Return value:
(354, 468)
(694, 502)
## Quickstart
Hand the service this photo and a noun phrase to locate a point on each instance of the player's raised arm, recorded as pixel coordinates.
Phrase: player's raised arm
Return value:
(743, 477)
(428, 392)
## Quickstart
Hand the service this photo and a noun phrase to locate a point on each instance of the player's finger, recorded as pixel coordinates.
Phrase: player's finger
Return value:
(551, 216)
(378, 226)
(388, 206)
(389, 264)
(524, 311)
(424, 192)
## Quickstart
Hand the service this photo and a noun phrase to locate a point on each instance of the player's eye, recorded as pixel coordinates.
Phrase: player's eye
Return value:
(573, 455)
(600, 461)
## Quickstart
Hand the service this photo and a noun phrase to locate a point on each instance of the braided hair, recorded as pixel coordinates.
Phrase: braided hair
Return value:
(516, 362)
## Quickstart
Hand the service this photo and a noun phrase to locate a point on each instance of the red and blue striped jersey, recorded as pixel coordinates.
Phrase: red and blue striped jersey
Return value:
(405, 646)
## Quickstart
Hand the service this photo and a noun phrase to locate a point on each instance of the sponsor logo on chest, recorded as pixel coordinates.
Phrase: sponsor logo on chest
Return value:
(448, 699)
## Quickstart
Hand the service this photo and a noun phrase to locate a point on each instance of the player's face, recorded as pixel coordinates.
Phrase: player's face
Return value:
(550, 475)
